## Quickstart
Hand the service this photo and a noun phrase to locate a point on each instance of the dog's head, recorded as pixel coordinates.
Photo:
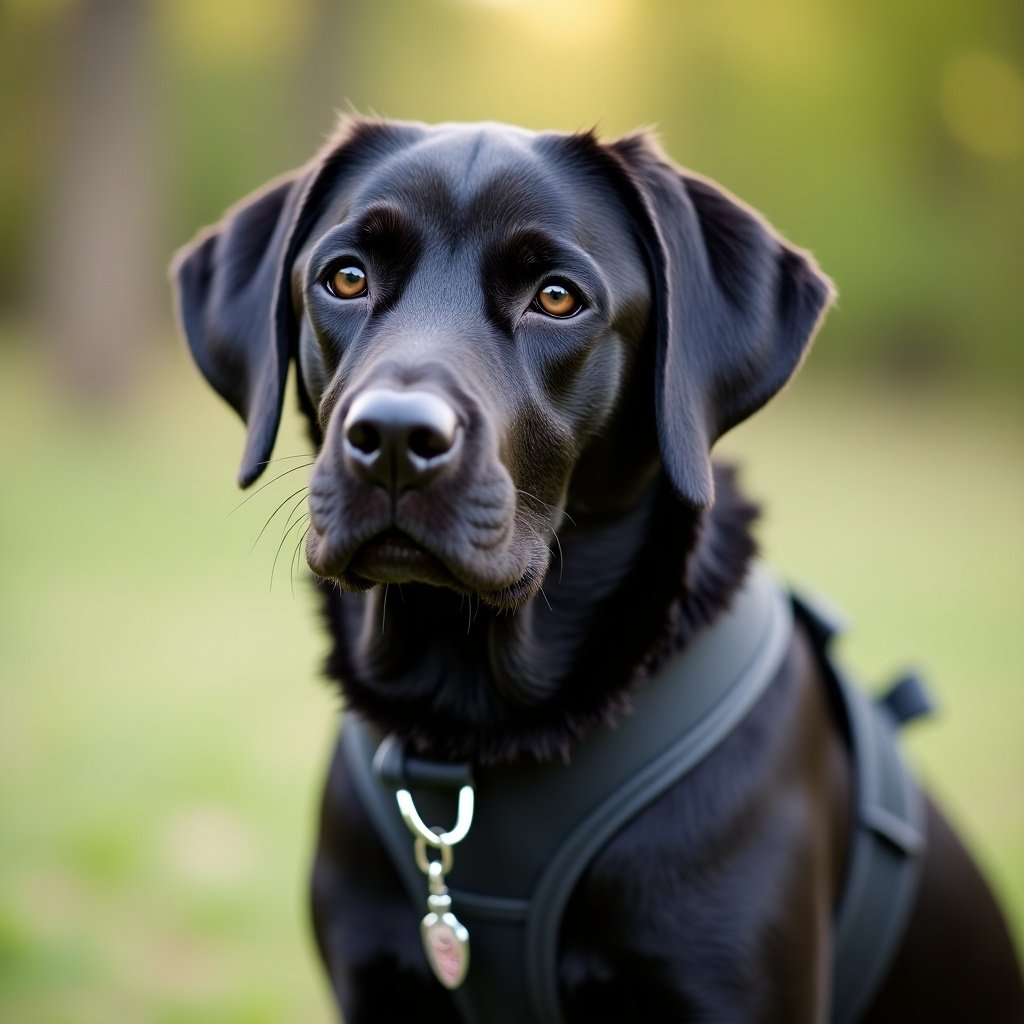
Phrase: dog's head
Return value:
(492, 328)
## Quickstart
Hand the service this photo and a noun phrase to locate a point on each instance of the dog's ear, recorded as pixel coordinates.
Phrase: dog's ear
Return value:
(231, 284)
(736, 309)
(234, 289)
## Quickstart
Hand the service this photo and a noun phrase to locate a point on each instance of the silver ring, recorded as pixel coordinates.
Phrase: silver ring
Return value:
(423, 862)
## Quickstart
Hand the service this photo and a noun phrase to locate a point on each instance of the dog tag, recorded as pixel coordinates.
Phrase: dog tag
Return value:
(446, 943)
(445, 939)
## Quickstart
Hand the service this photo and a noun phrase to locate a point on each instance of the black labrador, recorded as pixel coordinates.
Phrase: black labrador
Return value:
(515, 352)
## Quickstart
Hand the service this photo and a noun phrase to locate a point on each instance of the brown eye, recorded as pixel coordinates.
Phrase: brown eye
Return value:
(348, 283)
(557, 300)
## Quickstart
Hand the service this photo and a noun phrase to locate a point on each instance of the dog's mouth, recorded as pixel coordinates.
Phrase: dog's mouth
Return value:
(394, 557)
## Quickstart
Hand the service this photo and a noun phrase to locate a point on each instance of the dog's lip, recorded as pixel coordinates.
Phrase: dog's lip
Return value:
(394, 557)
(391, 555)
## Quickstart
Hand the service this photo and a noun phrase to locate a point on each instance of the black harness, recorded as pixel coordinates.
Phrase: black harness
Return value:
(537, 827)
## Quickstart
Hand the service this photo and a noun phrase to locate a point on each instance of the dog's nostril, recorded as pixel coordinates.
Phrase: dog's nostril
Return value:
(400, 439)
(363, 436)
(428, 443)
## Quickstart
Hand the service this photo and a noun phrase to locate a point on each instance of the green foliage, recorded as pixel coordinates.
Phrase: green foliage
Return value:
(887, 138)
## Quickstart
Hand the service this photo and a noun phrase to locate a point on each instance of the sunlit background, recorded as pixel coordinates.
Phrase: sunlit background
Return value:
(163, 726)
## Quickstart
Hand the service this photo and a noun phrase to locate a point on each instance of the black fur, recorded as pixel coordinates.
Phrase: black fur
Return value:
(501, 569)
(534, 707)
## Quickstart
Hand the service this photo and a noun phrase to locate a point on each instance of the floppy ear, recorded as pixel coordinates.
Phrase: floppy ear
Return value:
(736, 309)
(234, 289)
(234, 308)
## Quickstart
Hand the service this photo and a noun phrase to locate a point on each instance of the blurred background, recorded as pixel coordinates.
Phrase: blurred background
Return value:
(163, 725)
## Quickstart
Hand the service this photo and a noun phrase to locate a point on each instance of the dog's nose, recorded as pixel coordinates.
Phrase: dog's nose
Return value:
(400, 439)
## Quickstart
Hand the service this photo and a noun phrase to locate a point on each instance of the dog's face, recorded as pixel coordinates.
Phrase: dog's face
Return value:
(493, 328)
(467, 326)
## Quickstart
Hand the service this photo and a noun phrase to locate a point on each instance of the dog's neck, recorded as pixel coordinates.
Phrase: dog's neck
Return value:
(461, 681)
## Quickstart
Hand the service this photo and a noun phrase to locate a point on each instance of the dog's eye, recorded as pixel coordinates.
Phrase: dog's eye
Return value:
(347, 283)
(556, 300)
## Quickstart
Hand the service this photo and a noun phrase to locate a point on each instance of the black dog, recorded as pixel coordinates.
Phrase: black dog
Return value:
(515, 352)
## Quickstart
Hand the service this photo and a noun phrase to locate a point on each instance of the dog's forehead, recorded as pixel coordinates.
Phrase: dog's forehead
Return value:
(488, 177)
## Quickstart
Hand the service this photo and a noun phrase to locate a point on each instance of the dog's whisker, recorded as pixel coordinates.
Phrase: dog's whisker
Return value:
(263, 486)
(547, 505)
(288, 529)
(298, 504)
(558, 548)
(293, 562)
(285, 458)
(298, 550)
(384, 609)
(273, 514)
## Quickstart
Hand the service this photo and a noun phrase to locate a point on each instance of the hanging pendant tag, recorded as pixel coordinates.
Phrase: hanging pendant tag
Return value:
(446, 943)
(445, 939)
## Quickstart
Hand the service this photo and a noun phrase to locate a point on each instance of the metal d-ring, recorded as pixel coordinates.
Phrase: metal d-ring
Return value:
(416, 825)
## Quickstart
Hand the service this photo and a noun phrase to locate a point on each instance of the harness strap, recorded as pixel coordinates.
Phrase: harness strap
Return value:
(888, 838)
(537, 827)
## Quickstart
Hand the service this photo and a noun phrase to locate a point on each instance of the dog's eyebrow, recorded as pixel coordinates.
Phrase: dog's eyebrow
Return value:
(523, 253)
(385, 227)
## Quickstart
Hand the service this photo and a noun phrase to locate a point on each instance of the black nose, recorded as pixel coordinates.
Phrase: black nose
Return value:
(400, 439)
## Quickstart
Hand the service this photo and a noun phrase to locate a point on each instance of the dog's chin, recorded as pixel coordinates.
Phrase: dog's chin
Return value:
(394, 557)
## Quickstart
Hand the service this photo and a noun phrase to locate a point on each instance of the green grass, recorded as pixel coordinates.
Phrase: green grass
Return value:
(163, 732)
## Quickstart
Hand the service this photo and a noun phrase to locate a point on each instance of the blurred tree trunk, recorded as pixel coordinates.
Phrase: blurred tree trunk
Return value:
(326, 67)
(95, 276)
